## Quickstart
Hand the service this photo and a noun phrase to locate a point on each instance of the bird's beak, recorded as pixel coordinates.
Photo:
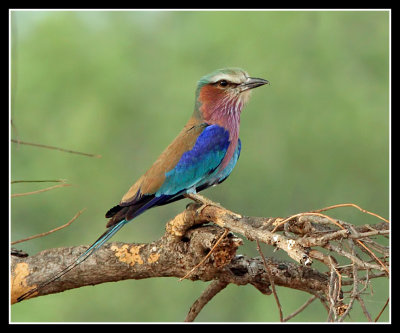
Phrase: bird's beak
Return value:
(252, 82)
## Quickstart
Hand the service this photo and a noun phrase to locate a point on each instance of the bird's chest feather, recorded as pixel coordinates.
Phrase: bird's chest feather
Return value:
(222, 110)
(230, 122)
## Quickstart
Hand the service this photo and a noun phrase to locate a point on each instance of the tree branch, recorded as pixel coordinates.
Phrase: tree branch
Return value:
(188, 240)
(213, 288)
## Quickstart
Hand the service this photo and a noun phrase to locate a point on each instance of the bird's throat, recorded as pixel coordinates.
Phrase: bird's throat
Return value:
(215, 107)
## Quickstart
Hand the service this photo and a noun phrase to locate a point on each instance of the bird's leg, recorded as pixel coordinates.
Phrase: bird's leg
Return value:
(201, 200)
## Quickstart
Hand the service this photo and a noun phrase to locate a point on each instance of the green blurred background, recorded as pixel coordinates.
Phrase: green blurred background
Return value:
(121, 84)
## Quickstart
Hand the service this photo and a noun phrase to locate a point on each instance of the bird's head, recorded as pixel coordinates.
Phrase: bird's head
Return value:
(224, 92)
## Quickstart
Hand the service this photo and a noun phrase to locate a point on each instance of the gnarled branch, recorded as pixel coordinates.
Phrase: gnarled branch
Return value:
(188, 239)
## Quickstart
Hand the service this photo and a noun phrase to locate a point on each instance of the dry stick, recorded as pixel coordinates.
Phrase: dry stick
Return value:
(339, 279)
(51, 231)
(383, 309)
(305, 214)
(355, 295)
(376, 246)
(55, 148)
(355, 284)
(360, 263)
(323, 302)
(361, 301)
(363, 278)
(351, 205)
(332, 296)
(295, 313)
(271, 280)
(39, 191)
(357, 240)
(373, 255)
(39, 181)
(340, 226)
(212, 289)
(206, 257)
(335, 285)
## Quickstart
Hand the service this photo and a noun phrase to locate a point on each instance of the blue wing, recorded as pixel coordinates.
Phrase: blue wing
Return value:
(197, 165)
(222, 175)
(190, 173)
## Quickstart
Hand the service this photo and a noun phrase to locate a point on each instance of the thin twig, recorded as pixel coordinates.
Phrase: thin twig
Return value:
(354, 292)
(378, 247)
(335, 285)
(363, 307)
(39, 181)
(373, 255)
(212, 289)
(363, 278)
(340, 226)
(39, 191)
(271, 280)
(383, 309)
(305, 214)
(51, 231)
(360, 263)
(55, 148)
(295, 313)
(351, 205)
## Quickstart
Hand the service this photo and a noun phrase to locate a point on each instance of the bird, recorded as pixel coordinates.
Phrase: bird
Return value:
(203, 154)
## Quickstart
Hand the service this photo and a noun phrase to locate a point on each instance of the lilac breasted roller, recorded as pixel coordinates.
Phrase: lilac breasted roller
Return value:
(202, 155)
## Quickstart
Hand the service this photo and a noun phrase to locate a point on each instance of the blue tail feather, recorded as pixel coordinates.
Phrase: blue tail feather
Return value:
(111, 231)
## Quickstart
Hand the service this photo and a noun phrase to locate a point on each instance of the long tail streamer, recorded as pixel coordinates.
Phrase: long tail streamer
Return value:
(93, 248)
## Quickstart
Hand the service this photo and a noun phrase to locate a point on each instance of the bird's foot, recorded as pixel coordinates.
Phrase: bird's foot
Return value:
(201, 200)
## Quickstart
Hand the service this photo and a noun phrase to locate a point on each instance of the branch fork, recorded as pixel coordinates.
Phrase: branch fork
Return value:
(194, 249)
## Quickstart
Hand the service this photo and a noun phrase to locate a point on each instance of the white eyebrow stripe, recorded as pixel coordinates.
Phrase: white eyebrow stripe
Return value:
(232, 78)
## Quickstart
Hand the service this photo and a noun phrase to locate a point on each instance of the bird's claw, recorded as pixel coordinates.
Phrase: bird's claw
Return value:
(204, 202)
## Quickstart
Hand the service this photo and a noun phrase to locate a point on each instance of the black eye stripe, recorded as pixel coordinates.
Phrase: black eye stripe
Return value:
(224, 83)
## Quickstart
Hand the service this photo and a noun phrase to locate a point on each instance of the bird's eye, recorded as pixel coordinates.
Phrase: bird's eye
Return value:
(222, 83)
